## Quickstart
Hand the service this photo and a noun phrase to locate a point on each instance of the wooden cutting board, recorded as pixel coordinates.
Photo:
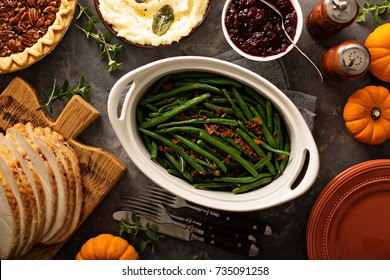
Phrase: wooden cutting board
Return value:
(100, 169)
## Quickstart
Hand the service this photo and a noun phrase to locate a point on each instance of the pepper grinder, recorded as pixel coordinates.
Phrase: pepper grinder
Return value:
(330, 16)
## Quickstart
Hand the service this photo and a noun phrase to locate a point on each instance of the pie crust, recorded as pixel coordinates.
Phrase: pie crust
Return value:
(45, 44)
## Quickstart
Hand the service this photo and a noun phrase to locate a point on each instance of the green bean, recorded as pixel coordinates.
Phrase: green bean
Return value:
(204, 145)
(234, 154)
(178, 150)
(217, 107)
(236, 111)
(256, 148)
(269, 112)
(262, 113)
(140, 119)
(287, 147)
(177, 91)
(254, 94)
(258, 165)
(205, 163)
(267, 134)
(213, 185)
(251, 186)
(169, 114)
(191, 75)
(186, 129)
(200, 151)
(177, 167)
(242, 179)
(277, 131)
(242, 104)
(269, 148)
(231, 142)
(157, 85)
(223, 121)
(154, 150)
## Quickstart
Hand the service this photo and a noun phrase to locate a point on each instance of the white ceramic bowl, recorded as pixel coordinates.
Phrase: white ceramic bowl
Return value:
(128, 90)
(298, 32)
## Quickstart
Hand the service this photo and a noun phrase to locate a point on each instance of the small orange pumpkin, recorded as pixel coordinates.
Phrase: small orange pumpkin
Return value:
(107, 247)
(378, 44)
(367, 114)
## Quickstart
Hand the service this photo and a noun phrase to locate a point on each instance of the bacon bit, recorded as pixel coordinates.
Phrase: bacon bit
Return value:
(182, 116)
(167, 86)
(219, 111)
(281, 157)
(238, 140)
(204, 117)
(229, 133)
(223, 115)
(168, 149)
(257, 121)
(227, 159)
(195, 116)
(257, 141)
(175, 141)
(217, 173)
(210, 129)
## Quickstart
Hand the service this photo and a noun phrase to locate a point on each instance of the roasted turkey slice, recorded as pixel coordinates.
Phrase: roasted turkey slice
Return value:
(9, 221)
(41, 189)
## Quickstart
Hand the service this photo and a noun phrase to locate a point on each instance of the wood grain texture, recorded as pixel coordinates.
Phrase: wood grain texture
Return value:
(99, 168)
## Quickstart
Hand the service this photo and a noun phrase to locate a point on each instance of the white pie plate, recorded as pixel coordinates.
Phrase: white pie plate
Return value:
(299, 175)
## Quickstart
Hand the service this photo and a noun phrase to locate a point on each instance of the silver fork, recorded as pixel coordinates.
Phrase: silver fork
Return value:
(157, 213)
(158, 195)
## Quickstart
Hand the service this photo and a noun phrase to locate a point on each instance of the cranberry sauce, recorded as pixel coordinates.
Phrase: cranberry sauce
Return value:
(257, 30)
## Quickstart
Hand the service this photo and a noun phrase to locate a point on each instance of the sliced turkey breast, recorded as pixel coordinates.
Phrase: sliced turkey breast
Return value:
(59, 170)
(54, 141)
(78, 189)
(9, 220)
(33, 179)
(11, 175)
(44, 171)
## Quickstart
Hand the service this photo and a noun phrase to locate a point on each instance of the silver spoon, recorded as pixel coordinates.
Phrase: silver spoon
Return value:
(273, 7)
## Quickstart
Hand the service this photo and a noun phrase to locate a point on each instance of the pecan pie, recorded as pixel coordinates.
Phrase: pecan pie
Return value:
(30, 29)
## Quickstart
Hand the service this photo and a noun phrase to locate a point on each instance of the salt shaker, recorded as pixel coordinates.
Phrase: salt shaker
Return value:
(348, 60)
(330, 16)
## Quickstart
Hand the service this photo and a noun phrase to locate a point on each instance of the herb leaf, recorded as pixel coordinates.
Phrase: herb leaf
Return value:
(65, 93)
(91, 30)
(149, 237)
(375, 9)
(162, 20)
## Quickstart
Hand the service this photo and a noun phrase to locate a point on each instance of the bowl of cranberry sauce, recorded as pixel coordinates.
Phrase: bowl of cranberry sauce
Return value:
(255, 31)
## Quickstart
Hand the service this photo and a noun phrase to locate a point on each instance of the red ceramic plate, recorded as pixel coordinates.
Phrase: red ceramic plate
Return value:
(351, 217)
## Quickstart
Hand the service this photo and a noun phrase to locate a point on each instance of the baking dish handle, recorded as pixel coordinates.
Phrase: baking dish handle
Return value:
(125, 85)
(307, 171)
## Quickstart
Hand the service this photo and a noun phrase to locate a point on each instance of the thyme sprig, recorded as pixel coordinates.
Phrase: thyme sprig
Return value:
(65, 93)
(149, 236)
(375, 9)
(91, 30)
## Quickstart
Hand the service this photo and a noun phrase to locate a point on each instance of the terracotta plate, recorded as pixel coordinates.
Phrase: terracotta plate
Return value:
(350, 218)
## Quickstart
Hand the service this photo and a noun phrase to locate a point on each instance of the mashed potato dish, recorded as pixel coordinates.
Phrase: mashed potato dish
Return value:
(136, 20)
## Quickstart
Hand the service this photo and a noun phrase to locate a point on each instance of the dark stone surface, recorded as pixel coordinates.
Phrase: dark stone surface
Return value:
(75, 55)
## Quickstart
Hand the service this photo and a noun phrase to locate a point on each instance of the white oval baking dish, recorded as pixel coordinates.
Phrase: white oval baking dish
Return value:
(299, 175)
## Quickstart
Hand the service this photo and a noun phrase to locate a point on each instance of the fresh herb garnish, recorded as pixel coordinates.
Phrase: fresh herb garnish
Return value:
(162, 20)
(149, 236)
(65, 93)
(375, 9)
(91, 30)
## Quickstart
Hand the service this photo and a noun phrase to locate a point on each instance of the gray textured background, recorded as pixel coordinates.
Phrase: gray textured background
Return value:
(76, 56)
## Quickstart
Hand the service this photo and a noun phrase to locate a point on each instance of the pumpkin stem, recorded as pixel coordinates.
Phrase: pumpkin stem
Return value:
(375, 113)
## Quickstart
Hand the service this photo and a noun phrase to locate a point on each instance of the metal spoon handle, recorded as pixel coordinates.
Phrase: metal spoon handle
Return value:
(276, 10)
